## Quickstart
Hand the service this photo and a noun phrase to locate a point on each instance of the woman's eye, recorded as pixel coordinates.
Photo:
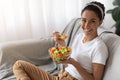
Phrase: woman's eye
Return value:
(83, 20)
(92, 21)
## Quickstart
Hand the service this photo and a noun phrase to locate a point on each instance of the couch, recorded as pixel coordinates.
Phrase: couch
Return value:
(36, 52)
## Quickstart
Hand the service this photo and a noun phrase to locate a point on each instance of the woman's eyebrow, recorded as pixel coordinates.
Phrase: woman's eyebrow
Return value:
(93, 19)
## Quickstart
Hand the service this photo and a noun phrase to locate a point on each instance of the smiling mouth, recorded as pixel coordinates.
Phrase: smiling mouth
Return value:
(87, 30)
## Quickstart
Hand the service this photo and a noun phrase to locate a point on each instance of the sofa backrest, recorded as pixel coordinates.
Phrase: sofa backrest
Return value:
(112, 69)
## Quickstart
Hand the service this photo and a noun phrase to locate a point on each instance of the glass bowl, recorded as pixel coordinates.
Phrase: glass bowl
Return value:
(60, 53)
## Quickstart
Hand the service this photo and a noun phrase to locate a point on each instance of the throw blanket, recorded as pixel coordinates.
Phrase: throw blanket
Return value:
(71, 30)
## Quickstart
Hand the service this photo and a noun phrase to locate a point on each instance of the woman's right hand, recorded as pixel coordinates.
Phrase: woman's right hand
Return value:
(57, 39)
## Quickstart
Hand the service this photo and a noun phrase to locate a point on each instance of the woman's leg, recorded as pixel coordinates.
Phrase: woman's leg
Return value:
(26, 71)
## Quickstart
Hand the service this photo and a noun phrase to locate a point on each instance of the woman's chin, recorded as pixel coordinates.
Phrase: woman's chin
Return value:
(87, 32)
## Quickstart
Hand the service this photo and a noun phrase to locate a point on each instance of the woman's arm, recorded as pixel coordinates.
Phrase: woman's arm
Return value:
(98, 70)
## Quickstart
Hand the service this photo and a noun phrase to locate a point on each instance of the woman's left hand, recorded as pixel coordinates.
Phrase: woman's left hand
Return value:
(67, 61)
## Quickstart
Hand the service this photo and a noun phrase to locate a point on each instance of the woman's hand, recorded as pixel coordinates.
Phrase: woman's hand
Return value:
(67, 61)
(57, 39)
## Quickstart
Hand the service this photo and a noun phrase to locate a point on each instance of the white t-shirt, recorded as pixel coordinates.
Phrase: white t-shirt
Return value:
(94, 51)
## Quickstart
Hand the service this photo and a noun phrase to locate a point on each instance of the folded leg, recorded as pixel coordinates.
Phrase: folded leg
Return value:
(26, 71)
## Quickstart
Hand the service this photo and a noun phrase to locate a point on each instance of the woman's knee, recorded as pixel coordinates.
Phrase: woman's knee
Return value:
(17, 64)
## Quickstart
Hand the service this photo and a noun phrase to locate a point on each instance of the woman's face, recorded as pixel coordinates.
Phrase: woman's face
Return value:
(90, 22)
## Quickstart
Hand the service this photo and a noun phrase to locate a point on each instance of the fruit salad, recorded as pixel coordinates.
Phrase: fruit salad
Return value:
(60, 53)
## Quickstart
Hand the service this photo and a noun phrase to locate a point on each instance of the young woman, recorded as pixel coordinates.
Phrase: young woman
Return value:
(88, 57)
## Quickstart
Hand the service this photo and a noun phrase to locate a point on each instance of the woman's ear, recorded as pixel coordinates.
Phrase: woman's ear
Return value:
(101, 21)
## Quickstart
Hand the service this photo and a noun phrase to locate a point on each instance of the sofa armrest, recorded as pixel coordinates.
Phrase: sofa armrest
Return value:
(32, 50)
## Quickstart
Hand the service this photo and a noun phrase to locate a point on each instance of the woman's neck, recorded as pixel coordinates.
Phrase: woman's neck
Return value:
(89, 38)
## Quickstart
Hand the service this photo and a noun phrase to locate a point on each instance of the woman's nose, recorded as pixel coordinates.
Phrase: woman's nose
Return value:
(87, 25)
